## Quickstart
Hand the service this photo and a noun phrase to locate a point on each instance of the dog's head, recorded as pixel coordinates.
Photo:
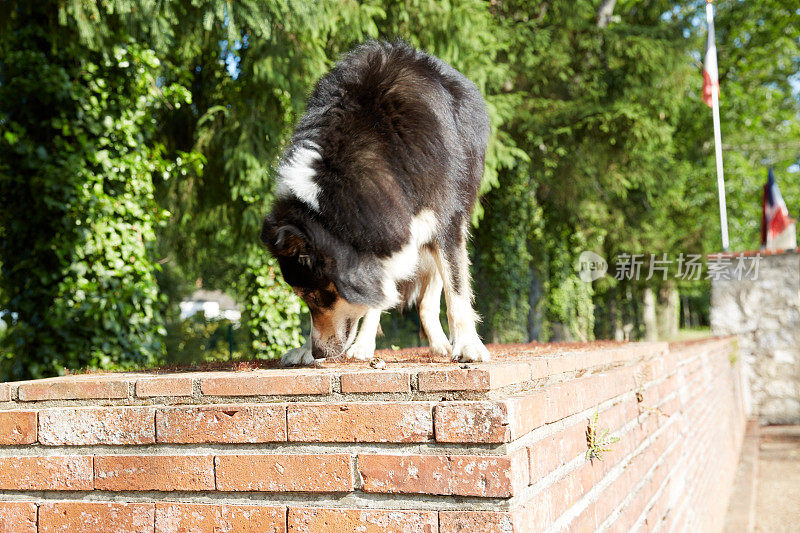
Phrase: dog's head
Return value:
(337, 284)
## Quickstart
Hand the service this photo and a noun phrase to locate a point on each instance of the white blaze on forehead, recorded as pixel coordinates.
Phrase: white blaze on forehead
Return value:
(296, 175)
(402, 264)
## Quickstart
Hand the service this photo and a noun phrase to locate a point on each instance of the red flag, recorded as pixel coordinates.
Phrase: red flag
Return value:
(774, 215)
(710, 73)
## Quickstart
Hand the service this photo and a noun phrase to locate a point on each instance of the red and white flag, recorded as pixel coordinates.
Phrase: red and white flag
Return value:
(710, 74)
(775, 218)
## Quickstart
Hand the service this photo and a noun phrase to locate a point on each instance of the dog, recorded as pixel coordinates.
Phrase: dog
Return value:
(373, 201)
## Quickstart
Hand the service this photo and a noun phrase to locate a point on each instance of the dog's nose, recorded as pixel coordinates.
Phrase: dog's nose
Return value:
(317, 352)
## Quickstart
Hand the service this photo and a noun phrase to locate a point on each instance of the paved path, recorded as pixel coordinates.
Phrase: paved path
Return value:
(778, 492)
(766, 496)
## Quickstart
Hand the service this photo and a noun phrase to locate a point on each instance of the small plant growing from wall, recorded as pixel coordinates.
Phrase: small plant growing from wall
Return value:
(598, 440)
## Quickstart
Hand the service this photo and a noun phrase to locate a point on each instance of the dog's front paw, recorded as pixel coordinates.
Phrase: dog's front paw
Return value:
(441, 347)
(362, 351)
(298, 356)
(470, 351)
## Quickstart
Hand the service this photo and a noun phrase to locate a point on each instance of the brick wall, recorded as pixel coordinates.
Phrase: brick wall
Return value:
(491, 447)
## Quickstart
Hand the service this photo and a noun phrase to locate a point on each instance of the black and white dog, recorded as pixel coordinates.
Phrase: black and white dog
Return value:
(374, 196)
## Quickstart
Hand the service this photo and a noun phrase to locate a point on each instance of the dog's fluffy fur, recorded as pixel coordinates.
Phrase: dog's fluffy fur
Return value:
(374, 196)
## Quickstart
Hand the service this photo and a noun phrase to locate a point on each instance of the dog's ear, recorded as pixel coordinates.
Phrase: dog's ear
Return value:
(284, 239)
(358, 290)
(358, 279)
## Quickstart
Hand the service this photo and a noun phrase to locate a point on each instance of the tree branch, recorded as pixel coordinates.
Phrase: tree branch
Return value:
(605, 12)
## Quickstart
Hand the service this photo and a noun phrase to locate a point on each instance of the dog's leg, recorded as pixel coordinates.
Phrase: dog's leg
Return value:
(429, 303)
(364, 346)
(453, 263)
(301, 355)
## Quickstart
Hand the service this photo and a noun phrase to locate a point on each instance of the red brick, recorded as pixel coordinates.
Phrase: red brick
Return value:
(527, 412)
(212, 518)
(454, 379)
(74, 426)
(483, 378)
(222, 423)
(463, 475)
(426, 474)
(317, 520)
(536, 514)
(253, 519)
(154, 472)
(538, 368)
(284, 473)
(544, 457)
(361, 422)
(476, 522)
(568, 398)
(473, 422)
(168, 386)
(73, 472)
(562, 363)
(376, 381)
(17, 427)
(5, 392)
(17, 517)
(488, 476)
(557, 450)
(91, 517)
(73, 388)
(586, 520)
(267, 383)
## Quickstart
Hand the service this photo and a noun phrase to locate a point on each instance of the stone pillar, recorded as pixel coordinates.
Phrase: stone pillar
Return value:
(765, 313)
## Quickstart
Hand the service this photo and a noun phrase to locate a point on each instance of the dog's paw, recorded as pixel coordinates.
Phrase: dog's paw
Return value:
(361, 351)
(298, 356)
(441, 347)
(470, 351)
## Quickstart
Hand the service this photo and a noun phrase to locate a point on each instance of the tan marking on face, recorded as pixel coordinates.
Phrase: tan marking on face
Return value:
(330, 332)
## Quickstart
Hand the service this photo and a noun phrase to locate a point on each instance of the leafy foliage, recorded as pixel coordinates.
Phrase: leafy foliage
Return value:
(77, 159)
(273, 312)
(138, 141)
(502, 260)
(198, 339)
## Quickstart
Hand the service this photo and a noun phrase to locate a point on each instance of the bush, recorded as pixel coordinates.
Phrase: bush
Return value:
(78, 208)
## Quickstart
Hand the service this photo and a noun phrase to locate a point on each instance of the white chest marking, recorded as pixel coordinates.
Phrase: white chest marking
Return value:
(296, 175)
(402, 264)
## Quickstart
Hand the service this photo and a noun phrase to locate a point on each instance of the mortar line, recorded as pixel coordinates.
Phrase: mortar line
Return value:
(527, 385)
(611, 476)
(624, 503)
(618, 509)
(214, 469)
(681, 510)
(286, 421)
(574, 464)
(251, 448)
(155, 426)
(344, 500)
(682, 458)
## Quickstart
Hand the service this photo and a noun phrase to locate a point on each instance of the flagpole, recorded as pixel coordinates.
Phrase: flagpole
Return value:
(723, 210)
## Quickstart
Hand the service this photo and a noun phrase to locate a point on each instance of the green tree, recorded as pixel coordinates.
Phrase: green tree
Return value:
(249, 68)
(77, 157)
